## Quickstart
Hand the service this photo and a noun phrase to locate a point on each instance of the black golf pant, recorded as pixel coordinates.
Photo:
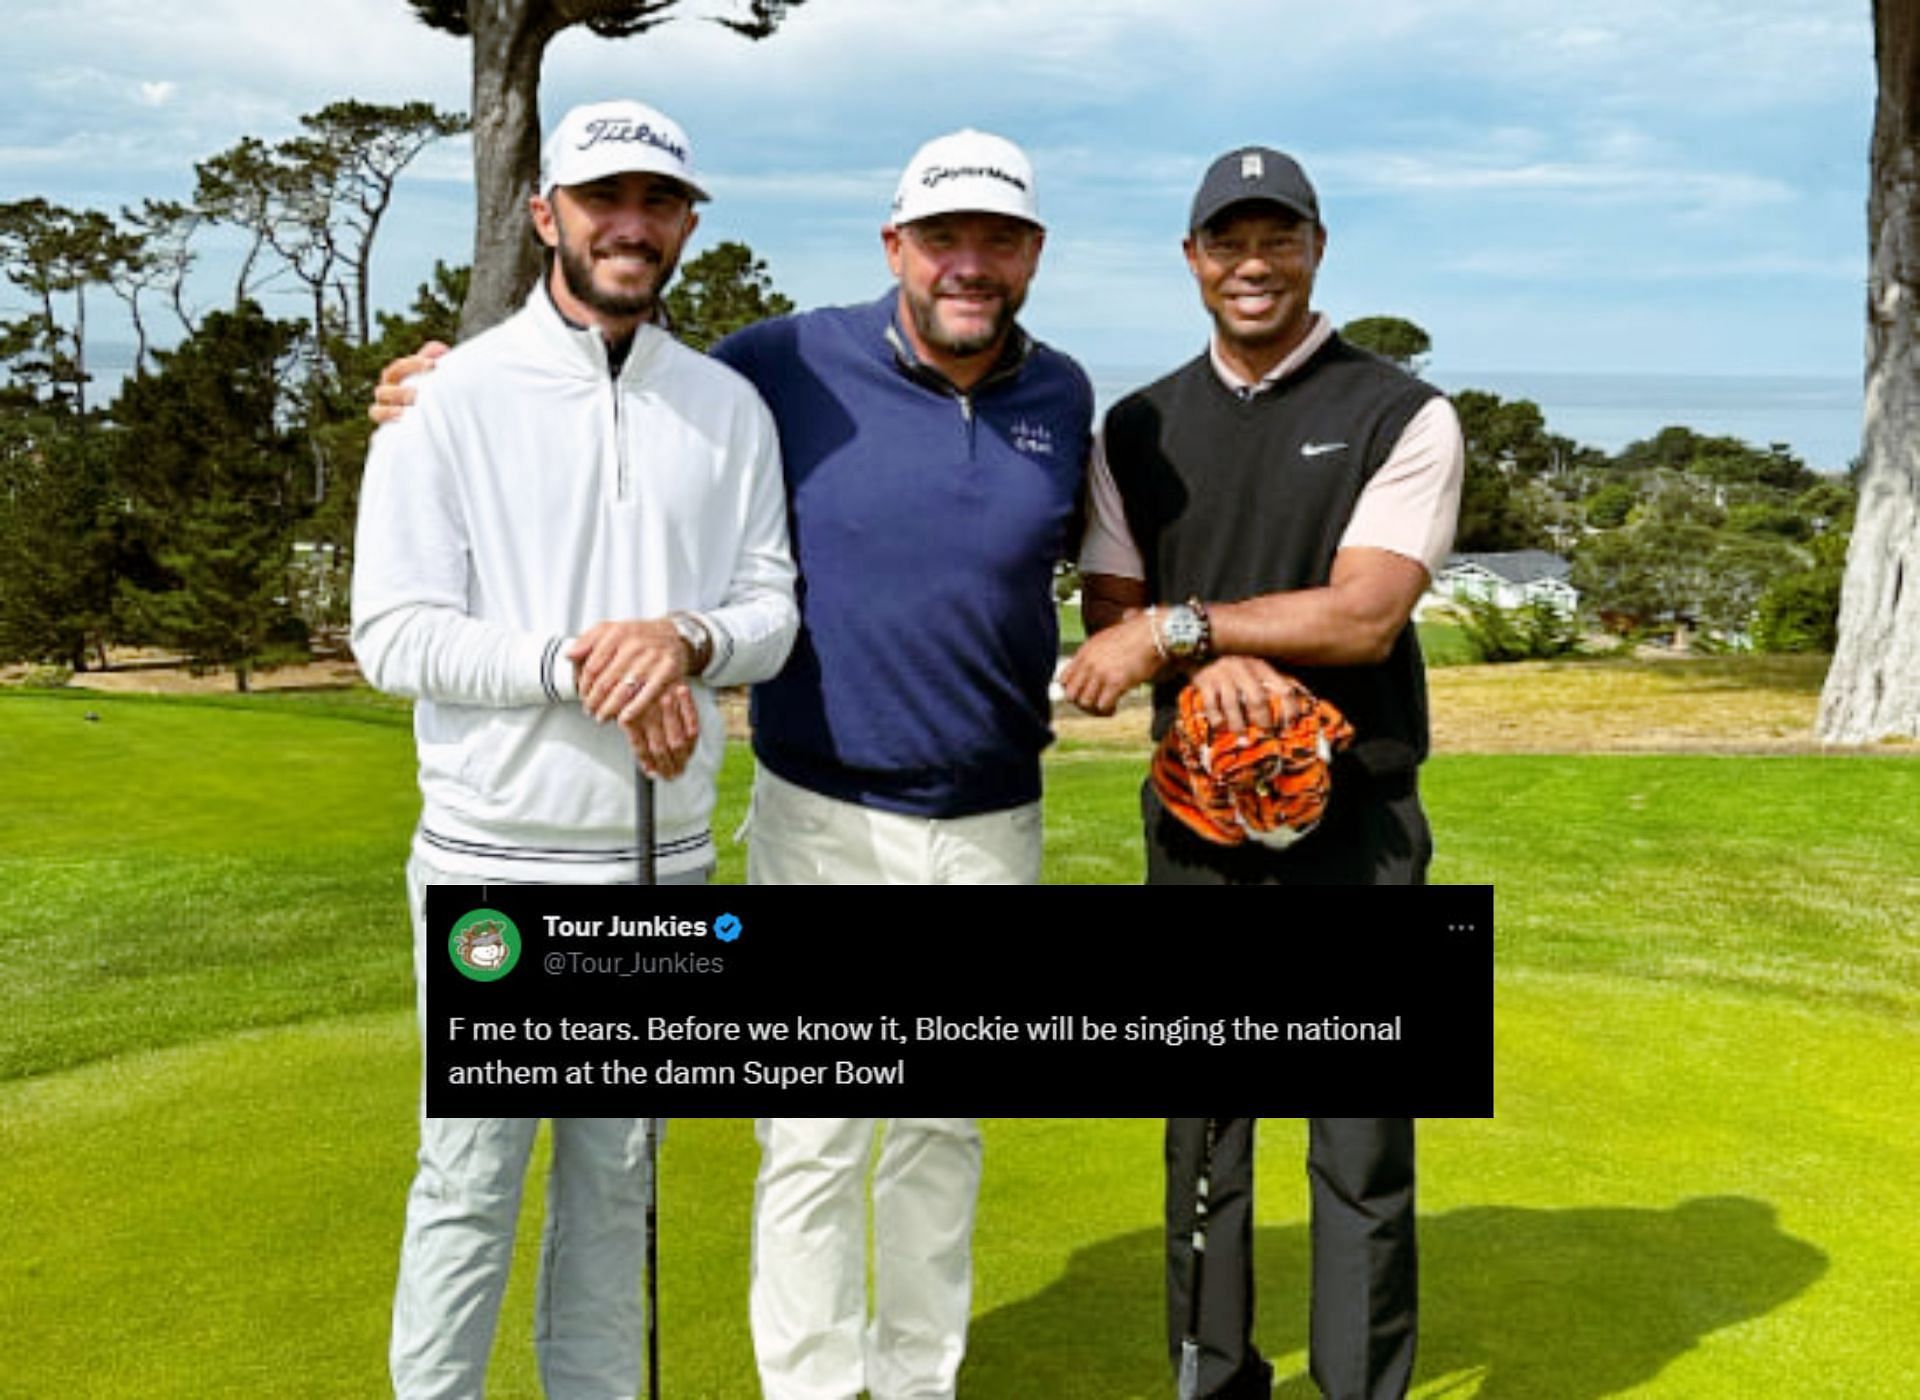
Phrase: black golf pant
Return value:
(1365, 1268)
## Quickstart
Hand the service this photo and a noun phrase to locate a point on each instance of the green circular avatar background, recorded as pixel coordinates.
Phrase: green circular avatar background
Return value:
(484, 945)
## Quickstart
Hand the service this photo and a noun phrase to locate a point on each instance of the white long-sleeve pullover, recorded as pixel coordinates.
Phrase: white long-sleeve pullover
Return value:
(528, 494)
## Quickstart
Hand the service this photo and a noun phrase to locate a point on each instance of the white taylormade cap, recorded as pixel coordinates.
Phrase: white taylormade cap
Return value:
(611, 138)
(971, 172)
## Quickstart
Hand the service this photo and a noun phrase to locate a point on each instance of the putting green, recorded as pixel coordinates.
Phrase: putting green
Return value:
(1699, 1183)
(1685, 1193)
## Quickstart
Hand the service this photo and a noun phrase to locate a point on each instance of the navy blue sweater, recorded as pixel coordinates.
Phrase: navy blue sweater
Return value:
(926, 524)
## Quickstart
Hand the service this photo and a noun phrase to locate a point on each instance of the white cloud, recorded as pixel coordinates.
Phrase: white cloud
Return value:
(293, 55)
(28, 158)
(1537, 264)
(1607, 179)
(1583, 37)
(1454, 140)
(866, 189)
(445, 162)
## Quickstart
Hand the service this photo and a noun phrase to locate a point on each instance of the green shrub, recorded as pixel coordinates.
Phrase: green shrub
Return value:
(45, 678)
(1800, 612)
(1536, 631)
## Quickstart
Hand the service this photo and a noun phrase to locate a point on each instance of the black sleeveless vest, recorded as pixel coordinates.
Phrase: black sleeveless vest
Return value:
(1230, 497)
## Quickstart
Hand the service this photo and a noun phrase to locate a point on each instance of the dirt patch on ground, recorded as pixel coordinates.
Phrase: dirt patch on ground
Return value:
(1712, 704)
(164, 676)
(1745, 704)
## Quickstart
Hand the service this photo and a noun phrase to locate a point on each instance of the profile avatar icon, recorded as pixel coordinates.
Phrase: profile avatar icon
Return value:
(485, 945)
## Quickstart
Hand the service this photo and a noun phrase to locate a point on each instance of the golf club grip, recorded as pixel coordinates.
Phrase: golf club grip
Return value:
(643, 825)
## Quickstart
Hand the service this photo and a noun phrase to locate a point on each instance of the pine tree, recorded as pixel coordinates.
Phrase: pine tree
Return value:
(210, 468)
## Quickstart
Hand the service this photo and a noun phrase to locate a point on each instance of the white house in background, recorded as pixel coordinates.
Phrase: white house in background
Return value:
(1512, 580)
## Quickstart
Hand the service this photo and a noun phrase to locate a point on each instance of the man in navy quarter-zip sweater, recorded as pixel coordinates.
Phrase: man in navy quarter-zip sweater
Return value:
(934, 457)
(1266, 516)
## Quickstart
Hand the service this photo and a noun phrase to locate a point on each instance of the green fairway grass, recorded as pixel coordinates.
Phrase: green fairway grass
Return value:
(1698, 1183)
(1658, 1209)
(178, 867)
(1445, 644)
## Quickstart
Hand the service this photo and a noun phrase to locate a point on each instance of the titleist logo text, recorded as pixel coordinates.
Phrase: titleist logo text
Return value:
(620, 129)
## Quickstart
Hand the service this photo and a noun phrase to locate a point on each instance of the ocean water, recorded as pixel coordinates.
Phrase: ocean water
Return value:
(1817, 416)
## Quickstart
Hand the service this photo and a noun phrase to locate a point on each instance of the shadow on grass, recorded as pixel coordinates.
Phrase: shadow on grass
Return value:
(1569, 1304)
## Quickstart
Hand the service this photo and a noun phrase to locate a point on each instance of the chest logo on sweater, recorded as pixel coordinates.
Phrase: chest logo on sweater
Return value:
(1320, 449)
(1034, 439)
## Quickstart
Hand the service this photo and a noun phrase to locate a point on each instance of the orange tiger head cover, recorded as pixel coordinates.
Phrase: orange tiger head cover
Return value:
(1267, 783)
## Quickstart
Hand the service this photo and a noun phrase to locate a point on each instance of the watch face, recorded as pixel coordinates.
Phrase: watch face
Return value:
(1182, 630)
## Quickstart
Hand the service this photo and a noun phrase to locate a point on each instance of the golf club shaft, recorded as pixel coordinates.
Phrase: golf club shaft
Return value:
(648, 874)
(653, 1260)
(1189, 1379)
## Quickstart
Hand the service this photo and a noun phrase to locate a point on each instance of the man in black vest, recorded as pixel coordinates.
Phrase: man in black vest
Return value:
(1264, 518)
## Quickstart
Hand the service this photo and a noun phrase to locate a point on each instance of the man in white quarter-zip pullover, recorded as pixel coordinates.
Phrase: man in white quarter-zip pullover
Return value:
(576, 536)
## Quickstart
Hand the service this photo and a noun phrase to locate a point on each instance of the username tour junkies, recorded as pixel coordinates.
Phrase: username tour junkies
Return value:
(659, 926)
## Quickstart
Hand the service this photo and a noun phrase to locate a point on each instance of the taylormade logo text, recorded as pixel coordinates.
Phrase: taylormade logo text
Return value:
(936, 175)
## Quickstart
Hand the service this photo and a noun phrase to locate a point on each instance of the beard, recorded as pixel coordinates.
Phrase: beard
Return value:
(926, 318)
(576, 268)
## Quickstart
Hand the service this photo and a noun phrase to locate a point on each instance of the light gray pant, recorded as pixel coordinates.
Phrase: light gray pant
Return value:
(458, 1244)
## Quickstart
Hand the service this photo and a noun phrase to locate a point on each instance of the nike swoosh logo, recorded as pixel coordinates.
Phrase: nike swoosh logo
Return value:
(1319, 449)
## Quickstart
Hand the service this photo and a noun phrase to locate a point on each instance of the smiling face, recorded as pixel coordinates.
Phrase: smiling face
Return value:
(616, 241)
(963, 278)
(1255, 264)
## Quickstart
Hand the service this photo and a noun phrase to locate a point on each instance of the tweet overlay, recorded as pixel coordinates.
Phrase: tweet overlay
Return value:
(1061, 1001)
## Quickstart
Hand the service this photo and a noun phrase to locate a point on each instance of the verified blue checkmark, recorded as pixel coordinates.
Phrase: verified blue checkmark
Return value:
(726, 928)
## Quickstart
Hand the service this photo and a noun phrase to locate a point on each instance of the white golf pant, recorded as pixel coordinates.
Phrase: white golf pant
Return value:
(811, 1334)
(798, 837)
(458, 1244)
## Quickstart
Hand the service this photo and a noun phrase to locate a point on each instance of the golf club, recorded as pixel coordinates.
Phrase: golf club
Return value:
(1189, 1383)
(648, 874)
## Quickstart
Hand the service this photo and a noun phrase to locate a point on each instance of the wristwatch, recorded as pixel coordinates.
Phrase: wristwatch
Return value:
(698, 639)
(1186, 631)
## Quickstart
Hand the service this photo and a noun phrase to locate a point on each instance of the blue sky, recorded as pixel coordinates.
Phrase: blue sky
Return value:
(1629, 185)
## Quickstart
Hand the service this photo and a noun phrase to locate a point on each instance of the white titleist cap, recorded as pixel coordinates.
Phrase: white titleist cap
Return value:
(969, 172)
(611, 138)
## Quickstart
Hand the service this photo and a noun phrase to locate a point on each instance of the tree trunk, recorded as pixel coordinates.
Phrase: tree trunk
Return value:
(362, 280)
(177, 297)
(509, 39)
(139, 335)
(240, 287)
(80, 349)
(1873, 688)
